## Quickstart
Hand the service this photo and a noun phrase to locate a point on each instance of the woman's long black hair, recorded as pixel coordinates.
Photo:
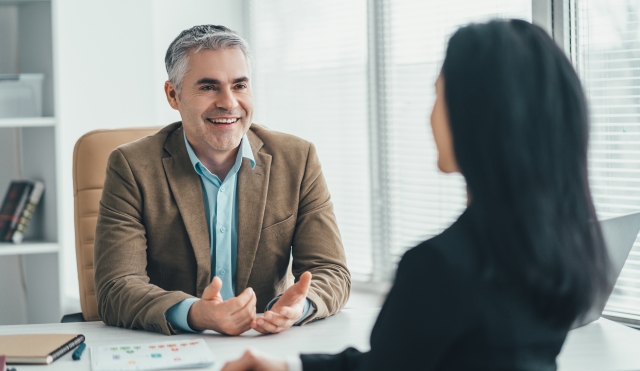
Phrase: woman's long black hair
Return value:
(519, 121)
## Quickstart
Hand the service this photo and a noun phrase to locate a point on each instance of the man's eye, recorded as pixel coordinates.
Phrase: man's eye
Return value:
(206, 87)
(241, 86)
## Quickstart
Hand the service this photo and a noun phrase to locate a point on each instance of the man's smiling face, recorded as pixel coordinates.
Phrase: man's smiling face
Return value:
(215, 101)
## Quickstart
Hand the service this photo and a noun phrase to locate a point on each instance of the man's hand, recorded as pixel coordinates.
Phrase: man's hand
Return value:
(231, 317)
(287, 310)
(252, 361)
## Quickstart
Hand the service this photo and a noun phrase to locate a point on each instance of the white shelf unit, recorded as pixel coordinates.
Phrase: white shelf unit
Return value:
(30, 272)
(28, 248)
(24, 122)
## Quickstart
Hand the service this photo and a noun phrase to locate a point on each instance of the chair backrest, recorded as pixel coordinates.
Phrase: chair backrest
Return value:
(90, 157)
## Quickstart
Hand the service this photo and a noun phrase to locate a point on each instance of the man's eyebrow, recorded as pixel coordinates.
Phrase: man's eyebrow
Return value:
(208, 80)
(241, 79)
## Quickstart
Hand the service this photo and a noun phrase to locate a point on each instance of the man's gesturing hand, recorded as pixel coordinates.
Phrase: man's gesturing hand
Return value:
(287, 310)
(231, 317)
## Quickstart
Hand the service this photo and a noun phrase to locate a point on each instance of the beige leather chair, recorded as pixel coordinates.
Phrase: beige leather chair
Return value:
(90, 157)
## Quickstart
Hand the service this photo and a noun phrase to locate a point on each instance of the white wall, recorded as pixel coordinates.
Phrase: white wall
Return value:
(109, 68)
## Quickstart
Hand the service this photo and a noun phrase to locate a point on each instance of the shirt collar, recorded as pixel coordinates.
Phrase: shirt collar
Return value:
(244, 152)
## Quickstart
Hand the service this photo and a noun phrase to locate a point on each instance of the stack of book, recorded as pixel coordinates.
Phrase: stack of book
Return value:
(18, 206)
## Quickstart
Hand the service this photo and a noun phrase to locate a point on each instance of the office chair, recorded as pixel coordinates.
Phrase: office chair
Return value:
(90, 157)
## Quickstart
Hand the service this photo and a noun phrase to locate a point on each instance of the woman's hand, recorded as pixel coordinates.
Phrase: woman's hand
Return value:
(253, 361)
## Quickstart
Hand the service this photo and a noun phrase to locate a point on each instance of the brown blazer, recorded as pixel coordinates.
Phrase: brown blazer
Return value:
(152, 242)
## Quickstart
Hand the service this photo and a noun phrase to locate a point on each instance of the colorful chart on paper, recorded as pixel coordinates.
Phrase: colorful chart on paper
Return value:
(156, 356)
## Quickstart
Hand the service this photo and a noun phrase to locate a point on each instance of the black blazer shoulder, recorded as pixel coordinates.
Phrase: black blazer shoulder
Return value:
(442, 314)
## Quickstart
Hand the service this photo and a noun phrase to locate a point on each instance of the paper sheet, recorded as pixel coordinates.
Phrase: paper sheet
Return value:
(155, 356)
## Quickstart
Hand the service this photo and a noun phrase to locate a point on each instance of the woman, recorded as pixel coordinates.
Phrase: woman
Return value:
(500, 288)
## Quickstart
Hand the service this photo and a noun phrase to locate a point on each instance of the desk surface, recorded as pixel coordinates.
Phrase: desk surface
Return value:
(601, 345)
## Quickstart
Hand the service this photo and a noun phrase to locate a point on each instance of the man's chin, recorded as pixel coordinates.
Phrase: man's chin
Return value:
(224, 145)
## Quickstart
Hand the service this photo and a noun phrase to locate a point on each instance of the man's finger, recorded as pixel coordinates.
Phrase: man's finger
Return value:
(247, 313)
(297, 292)
(237, 303)
(241, 301)
(288, 312)
(260, 329)
(268, 326)
(255, 326)
(278, 319)
(302, 286)
(212, 291)
(305, 280)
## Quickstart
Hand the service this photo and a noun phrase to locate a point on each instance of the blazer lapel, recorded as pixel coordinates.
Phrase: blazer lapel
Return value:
(187, 191)
(252, 197)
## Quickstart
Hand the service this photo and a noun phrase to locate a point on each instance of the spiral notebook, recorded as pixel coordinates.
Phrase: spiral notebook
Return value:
(37, 348)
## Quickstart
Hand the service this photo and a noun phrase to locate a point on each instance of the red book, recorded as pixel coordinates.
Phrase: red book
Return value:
(14, 203)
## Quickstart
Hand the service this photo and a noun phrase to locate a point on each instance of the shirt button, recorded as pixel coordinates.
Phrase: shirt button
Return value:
(222, 189)
(223, 229)
(222, 272)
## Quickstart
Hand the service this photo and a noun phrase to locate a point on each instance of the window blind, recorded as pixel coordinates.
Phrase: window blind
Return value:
(609, 66)
(310, 80)
(423, 201)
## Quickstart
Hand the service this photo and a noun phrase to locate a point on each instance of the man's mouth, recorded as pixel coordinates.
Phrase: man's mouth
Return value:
(223, 120)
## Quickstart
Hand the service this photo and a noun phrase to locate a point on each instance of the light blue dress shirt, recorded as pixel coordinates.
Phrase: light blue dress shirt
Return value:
(221, 208)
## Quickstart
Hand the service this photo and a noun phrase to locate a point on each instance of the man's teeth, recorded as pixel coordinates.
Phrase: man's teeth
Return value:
(223, 121)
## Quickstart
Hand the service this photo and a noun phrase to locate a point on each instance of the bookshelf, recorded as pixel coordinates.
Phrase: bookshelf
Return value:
(28, 247)
(25, 122)
(30, 272)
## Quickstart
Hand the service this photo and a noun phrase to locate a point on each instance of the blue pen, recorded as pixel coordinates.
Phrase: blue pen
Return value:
(78, 352)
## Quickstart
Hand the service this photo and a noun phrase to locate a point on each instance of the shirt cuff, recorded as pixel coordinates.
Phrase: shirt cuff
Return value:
(294, 363)
(177, 315)
(309, 308)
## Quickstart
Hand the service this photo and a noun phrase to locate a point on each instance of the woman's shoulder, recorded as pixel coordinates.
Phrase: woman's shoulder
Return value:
(454, 247)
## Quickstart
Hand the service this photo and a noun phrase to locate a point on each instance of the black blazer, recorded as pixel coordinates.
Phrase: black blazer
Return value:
(441, 315)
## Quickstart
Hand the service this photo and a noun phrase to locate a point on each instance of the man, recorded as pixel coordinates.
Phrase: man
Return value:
(215, 196)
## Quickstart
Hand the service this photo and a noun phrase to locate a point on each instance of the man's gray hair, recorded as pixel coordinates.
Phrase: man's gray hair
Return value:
(197, 38)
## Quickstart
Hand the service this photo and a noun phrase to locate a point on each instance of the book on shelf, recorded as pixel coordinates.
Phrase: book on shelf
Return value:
(17, 208)
(27, 213)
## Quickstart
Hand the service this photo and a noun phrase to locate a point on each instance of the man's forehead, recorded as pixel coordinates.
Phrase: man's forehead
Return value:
(222, 64)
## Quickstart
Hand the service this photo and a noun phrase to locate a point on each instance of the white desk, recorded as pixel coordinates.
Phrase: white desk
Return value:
(602, 345)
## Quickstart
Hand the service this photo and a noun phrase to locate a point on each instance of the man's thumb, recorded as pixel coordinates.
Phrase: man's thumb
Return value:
(304, 283)
(212, 291)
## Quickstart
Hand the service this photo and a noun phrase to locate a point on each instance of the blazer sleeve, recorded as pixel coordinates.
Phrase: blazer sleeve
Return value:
(349, 359)
(419, 321)
(317, 246)
(125, 296)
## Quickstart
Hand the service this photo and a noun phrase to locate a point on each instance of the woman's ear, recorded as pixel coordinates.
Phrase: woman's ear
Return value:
(442, 131)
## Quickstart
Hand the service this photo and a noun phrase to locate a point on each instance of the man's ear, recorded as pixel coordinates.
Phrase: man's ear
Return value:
(172, 94)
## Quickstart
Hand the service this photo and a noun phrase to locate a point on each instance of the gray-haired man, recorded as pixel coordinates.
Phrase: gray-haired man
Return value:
(215, 196)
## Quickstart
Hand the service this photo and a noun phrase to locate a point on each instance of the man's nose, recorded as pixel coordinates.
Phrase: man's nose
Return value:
(226, 100)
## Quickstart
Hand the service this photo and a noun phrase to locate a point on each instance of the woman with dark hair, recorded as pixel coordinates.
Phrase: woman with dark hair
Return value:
(500, 288)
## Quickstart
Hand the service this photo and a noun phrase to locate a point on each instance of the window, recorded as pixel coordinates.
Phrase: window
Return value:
(423, 201)
(315, 77)
(609, 65)
(310, 80)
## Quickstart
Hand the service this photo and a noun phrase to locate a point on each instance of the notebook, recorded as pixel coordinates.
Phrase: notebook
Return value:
(37, 348)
